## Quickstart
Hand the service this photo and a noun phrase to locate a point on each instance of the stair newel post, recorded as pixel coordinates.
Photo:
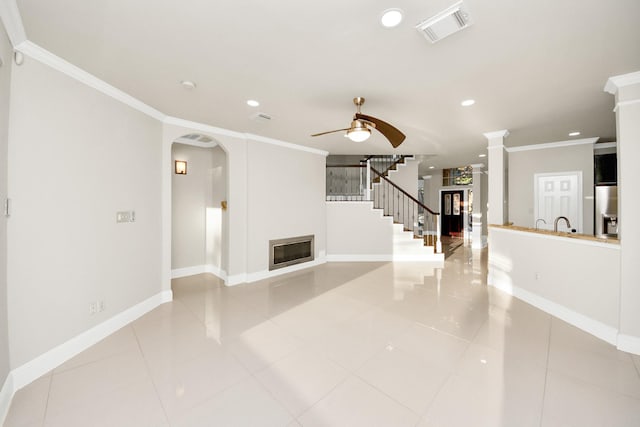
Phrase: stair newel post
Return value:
(438, 242)
(369, 183)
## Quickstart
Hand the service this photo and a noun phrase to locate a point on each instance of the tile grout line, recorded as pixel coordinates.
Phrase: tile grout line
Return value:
(452, 374)
(635, 365)
(46, 404)
(546, 374)
(146, 365)
(297, 419)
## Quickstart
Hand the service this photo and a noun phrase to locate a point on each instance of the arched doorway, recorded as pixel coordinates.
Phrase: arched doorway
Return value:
(199, 220)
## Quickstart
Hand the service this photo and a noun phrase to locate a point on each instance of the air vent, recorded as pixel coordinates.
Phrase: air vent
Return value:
(197, 137)
(445, 23)
(260, 117)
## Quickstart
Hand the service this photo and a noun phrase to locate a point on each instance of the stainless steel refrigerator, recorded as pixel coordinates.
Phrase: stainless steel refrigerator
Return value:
(606, 214)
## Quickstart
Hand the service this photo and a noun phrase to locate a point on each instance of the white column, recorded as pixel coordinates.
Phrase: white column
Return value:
(626, 89)
(477, 239)
(497, 212)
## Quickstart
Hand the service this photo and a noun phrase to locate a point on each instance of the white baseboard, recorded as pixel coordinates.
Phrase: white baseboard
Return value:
(628, 343)
(359, 258)
(53, 358)
(198, 269)
(594, 327)
(266, 274)
(177, 273)
(236, 279)
(439, 258)
(6, 395)
(216, 271)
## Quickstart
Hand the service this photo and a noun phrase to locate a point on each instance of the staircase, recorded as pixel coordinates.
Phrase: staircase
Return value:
(372, 218)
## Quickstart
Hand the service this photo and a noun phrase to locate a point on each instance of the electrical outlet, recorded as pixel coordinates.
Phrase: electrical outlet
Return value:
(101, 306)
(537, 276)
(93, 307)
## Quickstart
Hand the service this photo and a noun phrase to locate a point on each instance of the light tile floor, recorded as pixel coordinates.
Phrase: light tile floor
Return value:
(342, 344)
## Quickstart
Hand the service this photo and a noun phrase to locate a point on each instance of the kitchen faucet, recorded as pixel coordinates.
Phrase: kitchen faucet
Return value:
(540, 219)
(555, 223)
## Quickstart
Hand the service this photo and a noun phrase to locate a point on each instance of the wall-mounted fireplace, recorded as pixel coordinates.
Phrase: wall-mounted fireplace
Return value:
(294, 250)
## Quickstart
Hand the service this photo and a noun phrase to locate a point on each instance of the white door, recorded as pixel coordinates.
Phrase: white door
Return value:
(558, 194)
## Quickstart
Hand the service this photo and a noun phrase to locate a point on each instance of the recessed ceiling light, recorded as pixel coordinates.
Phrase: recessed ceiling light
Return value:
(253, 103)
(482, 155)
(468, 102)
(574, 134)
(391, 18)
(188, 84)
(432, 167)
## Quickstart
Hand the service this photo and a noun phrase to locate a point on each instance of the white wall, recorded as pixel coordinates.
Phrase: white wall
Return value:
(6, 53)
(432, 187)
(576, 280)
(406, 176)
(196, 212)
(523, 165)
(286, 198)
(358, 232)
(274, 190)
(354, 228)
(76, 157)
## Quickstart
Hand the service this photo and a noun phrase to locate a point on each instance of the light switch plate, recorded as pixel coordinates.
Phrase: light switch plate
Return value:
(125, 216)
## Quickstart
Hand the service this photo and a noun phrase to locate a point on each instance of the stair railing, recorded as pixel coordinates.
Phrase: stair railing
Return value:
(414, 215)
(364, 182)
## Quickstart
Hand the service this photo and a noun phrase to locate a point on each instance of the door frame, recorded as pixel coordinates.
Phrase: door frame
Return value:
(580, 197)
(465, 207)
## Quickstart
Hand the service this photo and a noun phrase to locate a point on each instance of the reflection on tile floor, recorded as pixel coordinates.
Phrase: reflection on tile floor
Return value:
(358, 344)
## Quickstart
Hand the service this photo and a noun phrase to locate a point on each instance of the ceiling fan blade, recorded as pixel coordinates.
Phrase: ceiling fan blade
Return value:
(394, 136)
(331, 131)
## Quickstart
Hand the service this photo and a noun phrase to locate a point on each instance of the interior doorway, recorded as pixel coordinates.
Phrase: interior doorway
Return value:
(452, 213)
(199, 218)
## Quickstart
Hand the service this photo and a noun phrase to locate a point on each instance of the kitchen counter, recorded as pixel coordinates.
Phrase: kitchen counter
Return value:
(587, 237)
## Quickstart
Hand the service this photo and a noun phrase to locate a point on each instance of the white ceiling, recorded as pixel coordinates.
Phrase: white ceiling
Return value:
(536, 68)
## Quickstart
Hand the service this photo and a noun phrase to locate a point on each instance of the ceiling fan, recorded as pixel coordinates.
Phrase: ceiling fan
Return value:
(361, 125)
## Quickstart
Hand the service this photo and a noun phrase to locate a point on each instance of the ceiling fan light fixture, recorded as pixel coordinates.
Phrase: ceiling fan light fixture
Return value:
(391, 18)
(358, 134)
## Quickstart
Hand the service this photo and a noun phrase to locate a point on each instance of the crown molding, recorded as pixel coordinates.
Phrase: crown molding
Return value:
(558, 144)
(185, 141)
(44, 56)
(496, 134)
(605, 145)
(289, 145)
(624, 104)
(169, 120)
(616, 82)
(12, 21)
(246, 136)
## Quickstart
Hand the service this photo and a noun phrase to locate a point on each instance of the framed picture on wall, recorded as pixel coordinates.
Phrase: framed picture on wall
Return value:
(456, 204)
(447, 204)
